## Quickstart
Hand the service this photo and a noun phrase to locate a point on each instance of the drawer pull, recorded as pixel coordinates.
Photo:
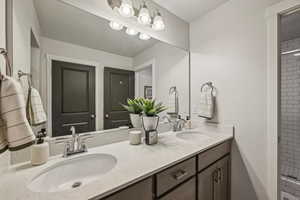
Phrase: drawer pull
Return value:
(180, 175)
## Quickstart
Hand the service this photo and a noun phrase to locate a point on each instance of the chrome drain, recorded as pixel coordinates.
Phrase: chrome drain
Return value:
(76, 184)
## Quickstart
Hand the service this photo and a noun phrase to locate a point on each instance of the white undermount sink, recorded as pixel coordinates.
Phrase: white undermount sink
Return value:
(73, 173)
(192, 135)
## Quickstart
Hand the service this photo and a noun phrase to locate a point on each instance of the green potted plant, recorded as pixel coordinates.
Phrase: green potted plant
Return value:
(151, 109)
(134, 108)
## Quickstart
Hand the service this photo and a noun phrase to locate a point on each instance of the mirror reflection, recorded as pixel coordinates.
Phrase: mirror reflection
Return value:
(86, 69)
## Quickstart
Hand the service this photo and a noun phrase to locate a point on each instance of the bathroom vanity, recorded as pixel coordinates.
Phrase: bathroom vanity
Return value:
(182, 166)
(204, 176)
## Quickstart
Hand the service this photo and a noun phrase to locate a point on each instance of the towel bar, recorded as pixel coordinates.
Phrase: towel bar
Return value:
(175, 91)
(210, 85)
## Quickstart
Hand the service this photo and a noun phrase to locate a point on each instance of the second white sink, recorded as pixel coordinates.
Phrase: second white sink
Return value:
(192, 135)
(73, 173)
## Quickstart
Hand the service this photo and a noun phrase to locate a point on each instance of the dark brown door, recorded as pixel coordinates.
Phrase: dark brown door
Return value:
(118, 87)
(73, 98)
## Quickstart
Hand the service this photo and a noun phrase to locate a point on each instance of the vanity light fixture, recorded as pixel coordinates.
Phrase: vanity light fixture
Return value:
(139, 11)
(126, 8)
(131, 31)
(144, 17)
(158, 23)
(144, 36)
(116, 26)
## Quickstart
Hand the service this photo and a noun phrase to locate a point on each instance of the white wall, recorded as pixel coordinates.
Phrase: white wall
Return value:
(24, 21)
(2, 33)
(228, 47)
(171, 69)
(5, 157)
(101, 58)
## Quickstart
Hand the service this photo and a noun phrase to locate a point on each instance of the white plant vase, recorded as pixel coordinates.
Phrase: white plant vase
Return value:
(136, 120)
(150, 123)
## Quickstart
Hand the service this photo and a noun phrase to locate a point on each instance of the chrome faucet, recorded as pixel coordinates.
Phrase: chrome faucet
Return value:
(176, 122)
(75, 138)
(76, 144)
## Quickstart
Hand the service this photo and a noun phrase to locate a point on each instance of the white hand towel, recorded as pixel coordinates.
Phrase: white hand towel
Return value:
(207, 104)
(34, 109)
(15, 131)
(172, 103)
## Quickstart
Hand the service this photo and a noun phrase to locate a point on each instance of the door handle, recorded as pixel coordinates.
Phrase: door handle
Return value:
(106, 116)
(75, 124)
(93, 116)
(221, 177)
(216, 176)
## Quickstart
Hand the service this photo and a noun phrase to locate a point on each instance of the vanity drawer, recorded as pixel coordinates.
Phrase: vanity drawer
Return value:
(186, 191)
(210, 156)
(138, 191)
(172, 176)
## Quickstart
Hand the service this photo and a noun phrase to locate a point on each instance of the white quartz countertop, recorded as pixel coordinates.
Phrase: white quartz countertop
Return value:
(134, 163)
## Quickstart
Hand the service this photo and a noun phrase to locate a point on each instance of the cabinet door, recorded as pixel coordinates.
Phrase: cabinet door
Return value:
(222, 186)
(186, 191)
(141, 190)
(207, 181)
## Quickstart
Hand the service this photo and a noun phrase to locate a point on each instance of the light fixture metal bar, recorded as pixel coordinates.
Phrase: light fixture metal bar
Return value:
(290, 52)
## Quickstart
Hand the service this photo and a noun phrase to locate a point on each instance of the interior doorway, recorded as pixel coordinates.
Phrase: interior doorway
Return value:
(144, 82)
(289, 103)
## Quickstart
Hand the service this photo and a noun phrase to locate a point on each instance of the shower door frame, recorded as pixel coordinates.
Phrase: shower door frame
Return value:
(273, 14)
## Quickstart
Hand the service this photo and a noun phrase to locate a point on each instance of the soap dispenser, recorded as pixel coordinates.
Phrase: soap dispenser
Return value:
(188, 122)
(40, 150)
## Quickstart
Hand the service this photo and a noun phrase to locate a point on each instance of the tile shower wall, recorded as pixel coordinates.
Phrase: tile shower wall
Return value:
(290, 117)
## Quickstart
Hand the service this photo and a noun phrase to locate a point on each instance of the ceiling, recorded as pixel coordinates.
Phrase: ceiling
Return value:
(62, 22)
(290, 26)
(191, 9)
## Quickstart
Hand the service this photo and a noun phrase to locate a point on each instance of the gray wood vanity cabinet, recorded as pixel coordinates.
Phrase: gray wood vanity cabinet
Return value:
(213, 173)
(202, 177)
(213, 182)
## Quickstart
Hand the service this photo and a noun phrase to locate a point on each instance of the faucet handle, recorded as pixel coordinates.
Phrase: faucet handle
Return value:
(82, 142)
(66, 149)
(67, 145)
(73, 130)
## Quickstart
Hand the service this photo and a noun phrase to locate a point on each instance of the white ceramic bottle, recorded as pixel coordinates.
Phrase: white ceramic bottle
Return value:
(40, 150)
